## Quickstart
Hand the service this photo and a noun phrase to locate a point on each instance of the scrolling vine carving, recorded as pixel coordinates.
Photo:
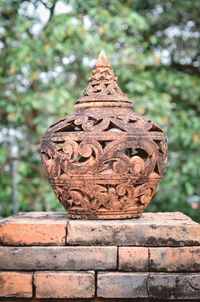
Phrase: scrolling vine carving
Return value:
(104, 163)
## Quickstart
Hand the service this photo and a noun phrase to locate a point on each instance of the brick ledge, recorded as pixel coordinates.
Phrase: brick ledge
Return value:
(46, 257)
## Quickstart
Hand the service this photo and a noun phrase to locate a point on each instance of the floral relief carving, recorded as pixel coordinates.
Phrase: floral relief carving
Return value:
(104, 198)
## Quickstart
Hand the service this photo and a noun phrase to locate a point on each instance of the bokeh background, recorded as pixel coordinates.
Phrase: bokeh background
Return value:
(47, 51)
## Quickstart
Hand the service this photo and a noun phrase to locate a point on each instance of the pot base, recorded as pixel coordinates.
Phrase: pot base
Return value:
(103, 216)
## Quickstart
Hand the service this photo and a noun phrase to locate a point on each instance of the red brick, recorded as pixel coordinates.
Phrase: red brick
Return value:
(64, 284)
(122, 285)
(174, 259)
(133, 259)
(151, 229)
(58, 258)
(34, 228)
(70, 300)
(174, 286)
(15, 284)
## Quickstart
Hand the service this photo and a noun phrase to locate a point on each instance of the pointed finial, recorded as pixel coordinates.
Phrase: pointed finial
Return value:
(102, 60)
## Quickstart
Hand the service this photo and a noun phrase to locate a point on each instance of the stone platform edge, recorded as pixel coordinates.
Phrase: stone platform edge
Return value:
(47, 256)
(50, 228)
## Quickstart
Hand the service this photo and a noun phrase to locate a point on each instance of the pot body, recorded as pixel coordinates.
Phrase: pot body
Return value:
(104, 162)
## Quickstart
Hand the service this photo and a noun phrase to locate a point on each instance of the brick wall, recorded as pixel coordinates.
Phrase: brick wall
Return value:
(46, 256)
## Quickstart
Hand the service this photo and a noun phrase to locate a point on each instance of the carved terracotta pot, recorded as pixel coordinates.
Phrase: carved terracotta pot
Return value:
(104, 161)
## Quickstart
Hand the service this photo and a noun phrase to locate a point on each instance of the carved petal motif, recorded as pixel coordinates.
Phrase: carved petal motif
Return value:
(111, 197)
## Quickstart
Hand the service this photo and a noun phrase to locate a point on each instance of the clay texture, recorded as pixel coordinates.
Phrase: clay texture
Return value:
(104, 161)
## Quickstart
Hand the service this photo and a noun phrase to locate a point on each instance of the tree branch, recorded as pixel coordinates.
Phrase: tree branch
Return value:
(196, 56)
(51, 13)
(187, 68)
(29, 33)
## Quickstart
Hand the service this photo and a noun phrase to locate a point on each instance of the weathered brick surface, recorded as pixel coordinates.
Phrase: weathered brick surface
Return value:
(122, 285)
(15, 284)
(151, 229)
(64, 284)
(58, 258)
(133, 259)
(34, 228)
(174, 286)
(167, 244)
(174, 259)
(73, 300)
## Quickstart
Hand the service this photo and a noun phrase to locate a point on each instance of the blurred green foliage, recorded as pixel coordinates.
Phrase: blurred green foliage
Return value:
(47, 51)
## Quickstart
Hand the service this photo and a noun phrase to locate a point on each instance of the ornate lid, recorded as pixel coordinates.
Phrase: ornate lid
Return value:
(103, 90)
